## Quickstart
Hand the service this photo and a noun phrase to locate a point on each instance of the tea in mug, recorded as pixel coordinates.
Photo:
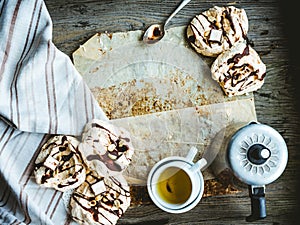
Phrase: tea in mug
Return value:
(174, 185)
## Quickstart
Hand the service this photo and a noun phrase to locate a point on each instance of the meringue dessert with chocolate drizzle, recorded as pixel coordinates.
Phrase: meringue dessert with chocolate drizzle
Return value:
(217, 29)
(105, 148)
(100, 200)
(239, 70)
(59, 165)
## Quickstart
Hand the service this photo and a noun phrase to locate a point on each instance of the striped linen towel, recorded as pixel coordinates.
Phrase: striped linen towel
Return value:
(41, 93)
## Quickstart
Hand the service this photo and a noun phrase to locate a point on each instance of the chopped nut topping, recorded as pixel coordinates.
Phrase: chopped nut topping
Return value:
(121, 143)
(98, 198)
(111, 147)
(104, 199)
(111, 156)
(93, 203)
(117, 203)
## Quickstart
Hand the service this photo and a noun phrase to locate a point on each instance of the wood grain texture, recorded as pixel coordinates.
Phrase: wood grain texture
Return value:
(76, 21)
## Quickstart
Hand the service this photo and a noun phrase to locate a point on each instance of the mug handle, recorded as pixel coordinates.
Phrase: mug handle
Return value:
(198, 165)
(191, 154)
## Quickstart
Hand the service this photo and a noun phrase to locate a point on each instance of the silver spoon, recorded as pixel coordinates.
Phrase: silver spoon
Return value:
(156, 31)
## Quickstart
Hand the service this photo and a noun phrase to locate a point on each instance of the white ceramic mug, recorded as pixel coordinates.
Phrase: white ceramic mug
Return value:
(175, 184)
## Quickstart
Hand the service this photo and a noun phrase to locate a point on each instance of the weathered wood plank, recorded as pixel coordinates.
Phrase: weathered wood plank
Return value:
(77, 20)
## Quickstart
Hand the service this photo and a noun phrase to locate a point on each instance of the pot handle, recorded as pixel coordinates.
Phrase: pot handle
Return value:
(258, 203)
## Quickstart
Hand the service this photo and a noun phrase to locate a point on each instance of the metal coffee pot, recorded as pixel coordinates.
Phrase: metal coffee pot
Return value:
(257, 155)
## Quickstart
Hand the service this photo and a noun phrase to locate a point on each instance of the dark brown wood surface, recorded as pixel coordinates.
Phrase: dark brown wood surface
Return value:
(75, 21)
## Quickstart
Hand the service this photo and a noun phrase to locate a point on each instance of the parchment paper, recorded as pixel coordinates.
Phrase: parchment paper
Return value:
(163, 94)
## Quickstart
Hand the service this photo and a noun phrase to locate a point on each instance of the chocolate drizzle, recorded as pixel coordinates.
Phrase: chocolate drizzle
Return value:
(236, 58)
(106, 160)
(225, 35)
(229, 18)
(107, 201)
(109, 157)
(225, 19)
(120, 148)
(63, 154)
(241, 74)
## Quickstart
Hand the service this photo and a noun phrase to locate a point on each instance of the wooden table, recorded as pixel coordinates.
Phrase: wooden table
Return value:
(74, 22)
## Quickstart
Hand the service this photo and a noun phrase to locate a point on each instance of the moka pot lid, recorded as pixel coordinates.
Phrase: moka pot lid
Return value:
(257, 154)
